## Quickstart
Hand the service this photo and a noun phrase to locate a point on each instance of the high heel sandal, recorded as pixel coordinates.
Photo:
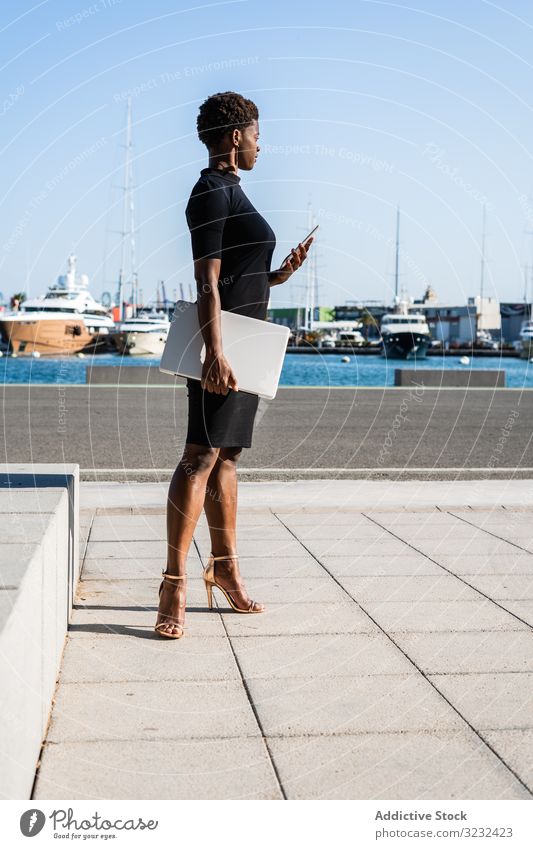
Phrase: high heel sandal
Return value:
(210, 582)
(166, 624)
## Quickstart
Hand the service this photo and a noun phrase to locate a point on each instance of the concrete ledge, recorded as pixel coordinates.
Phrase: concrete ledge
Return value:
(130, 375)
(39, 571)
(18, 478)
(325, 474)
(449, 377)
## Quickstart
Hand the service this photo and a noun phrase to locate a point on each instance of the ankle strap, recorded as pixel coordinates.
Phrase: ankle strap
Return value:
(225, 557)
(174, 577)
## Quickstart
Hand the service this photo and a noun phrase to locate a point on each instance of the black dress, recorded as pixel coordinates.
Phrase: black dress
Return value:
(225, 225)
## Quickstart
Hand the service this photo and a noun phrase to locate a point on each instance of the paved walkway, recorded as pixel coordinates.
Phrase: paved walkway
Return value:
(395, 659)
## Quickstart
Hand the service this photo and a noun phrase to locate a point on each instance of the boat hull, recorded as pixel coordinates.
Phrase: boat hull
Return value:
(526, 349)
(405, 346)
(44, 336)
(134, 344)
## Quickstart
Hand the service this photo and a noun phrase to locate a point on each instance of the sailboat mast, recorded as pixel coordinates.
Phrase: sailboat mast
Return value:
(126, 209)
(482, 275)
(482, 271)
(134, 275)
(397, 262)
(311, 281)
(531, 268)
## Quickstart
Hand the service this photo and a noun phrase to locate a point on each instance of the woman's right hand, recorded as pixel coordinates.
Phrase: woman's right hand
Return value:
(217, 375)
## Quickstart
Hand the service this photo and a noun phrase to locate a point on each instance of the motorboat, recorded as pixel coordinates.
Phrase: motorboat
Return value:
(143, 334)
(405, 334)
(526, 339)
(65, 320)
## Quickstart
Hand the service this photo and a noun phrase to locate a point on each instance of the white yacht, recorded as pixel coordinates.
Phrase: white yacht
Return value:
(144, 334)
(351, 338)
(484, 340)
(406, 335)
(65, 320)
(333, 334)
(526, 338)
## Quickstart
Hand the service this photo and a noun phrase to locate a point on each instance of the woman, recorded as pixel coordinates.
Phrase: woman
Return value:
(232, 247)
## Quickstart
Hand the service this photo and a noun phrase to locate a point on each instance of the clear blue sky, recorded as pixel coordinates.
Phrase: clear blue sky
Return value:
(363, 105)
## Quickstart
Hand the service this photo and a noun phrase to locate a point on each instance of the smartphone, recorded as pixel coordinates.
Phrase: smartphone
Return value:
(302, 242)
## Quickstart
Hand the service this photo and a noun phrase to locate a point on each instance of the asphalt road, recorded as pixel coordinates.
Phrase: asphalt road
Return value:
(320, 431)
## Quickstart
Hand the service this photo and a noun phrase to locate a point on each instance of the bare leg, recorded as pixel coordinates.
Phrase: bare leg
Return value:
(221, 510)
(220, 503)
(185, 500)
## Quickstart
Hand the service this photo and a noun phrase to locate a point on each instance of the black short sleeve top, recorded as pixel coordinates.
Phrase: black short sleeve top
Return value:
(225, 225)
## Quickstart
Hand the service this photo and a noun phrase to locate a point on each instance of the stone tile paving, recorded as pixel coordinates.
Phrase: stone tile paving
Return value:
(395, 660)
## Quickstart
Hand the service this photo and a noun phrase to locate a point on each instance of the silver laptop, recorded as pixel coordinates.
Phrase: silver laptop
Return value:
(254, 349)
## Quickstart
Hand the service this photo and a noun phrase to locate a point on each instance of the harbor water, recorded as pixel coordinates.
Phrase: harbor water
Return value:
(298, 369)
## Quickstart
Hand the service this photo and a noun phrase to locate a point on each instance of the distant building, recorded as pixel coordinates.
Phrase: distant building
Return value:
(459, 324)
(294, 317)
(488, 312)
(512, 316)
(369, 312)
(354, 310)
(429, 296)
(448, 322)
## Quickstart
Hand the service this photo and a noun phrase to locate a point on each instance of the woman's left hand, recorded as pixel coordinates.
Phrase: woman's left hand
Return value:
(291, 263)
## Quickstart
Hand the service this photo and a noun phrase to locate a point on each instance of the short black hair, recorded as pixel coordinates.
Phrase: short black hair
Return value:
(223, 112)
